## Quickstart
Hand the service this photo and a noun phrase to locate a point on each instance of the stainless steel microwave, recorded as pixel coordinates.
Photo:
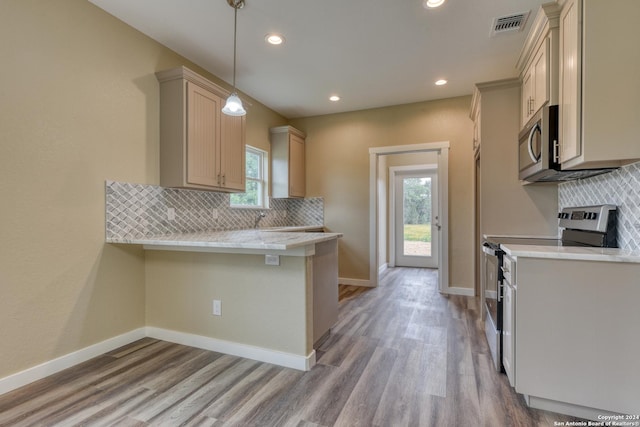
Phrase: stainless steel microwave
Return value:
(539, 157)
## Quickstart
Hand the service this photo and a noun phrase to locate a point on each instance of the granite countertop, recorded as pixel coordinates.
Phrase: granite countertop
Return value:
(572, 253)
(277, 238)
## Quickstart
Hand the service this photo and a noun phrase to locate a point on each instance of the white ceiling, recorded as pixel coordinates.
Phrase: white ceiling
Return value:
(372, 53)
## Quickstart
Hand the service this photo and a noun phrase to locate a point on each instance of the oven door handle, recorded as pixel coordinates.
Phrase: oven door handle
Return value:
(488, 250)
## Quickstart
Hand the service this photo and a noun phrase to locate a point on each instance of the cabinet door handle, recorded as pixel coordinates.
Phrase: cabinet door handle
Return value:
(530, 105)
(224, 179)
(218, 179)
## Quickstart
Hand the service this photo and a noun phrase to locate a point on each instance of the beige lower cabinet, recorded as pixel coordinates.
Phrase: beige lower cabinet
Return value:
(287, 162)
(200, 147)
(576, 328)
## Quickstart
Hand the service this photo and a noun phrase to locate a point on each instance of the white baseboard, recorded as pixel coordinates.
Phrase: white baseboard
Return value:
(454, 290)
(51, 367)
(287, 360)
(383, 268)
(355, 282)
(571, 409)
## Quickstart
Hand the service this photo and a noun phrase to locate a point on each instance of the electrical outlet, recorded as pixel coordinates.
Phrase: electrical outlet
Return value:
(171, 214)
(214, 214)
(272, 259)
(217, 307)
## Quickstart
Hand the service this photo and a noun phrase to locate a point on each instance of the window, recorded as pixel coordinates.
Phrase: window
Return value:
(255, 195)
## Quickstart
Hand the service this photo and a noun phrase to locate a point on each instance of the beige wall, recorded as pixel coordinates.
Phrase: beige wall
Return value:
(338, 170)
(507, 206)
(78, 105)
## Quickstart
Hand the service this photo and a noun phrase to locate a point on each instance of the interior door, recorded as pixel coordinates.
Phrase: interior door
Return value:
(416, 219)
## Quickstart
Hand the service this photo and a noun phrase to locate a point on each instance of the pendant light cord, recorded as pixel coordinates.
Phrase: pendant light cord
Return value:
(235, 33)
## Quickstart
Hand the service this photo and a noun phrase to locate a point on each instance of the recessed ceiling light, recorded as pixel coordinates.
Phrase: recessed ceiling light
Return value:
(432, 3)
(275, 39)
(334, 98)
(441, 82)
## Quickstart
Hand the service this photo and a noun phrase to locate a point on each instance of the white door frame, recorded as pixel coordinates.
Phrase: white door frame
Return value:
(393, 172)
(442, 148)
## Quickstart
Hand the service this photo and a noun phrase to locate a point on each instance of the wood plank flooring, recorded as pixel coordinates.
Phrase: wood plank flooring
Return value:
(400, 355)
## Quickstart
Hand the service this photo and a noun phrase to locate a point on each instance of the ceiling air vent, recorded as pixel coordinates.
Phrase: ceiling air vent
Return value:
(509, 24)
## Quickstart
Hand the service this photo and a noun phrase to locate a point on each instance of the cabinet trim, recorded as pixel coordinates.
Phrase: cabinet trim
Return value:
(185, 73)
(288, 129)
(547, 17)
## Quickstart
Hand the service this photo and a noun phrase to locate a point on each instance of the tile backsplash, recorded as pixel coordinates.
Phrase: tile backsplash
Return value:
(620, 187)
(139, 210)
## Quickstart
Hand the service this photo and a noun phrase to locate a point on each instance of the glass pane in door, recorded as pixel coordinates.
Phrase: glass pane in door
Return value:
(417, 216)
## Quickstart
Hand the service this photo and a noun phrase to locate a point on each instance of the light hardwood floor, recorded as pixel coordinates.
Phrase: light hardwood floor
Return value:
(400, 355)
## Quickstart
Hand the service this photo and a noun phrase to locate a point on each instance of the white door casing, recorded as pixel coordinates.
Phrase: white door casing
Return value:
(442, 148)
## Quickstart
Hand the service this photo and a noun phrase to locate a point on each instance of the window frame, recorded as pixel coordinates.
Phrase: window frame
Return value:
(262, 180)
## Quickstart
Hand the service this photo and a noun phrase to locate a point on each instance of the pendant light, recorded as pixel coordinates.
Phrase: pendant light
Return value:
(234, 107)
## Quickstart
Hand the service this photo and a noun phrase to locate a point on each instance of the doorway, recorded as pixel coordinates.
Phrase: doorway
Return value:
(413, 218)
(377, 208)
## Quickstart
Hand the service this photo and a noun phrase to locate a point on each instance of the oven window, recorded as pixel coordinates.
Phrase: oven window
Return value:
(491, 290)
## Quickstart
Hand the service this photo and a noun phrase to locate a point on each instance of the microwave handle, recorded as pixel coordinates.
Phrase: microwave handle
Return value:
(535, 128)
(556, 148)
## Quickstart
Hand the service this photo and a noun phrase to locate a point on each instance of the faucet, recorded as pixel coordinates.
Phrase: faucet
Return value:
(258, 218)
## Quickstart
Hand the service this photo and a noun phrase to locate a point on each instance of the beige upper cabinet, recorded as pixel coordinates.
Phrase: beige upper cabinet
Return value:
(599, 84)
(535, 82)
(287, 162)
(200, 147)
(538, 63)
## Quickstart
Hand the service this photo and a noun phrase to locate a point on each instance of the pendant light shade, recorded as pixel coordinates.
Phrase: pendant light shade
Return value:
(233, 106)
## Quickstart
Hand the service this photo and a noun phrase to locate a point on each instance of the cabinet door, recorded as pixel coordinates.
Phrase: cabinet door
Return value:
(508, 328)
(541, 76)
(570, 81)
(296, 166)
(232, 153)
(203, 140)
(527, 94)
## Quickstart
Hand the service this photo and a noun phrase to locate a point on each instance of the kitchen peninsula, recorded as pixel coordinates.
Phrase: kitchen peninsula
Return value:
(274, 290)
(278, 292)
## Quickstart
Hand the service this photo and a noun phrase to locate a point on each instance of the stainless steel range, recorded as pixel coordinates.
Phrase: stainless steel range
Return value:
(594, 226)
